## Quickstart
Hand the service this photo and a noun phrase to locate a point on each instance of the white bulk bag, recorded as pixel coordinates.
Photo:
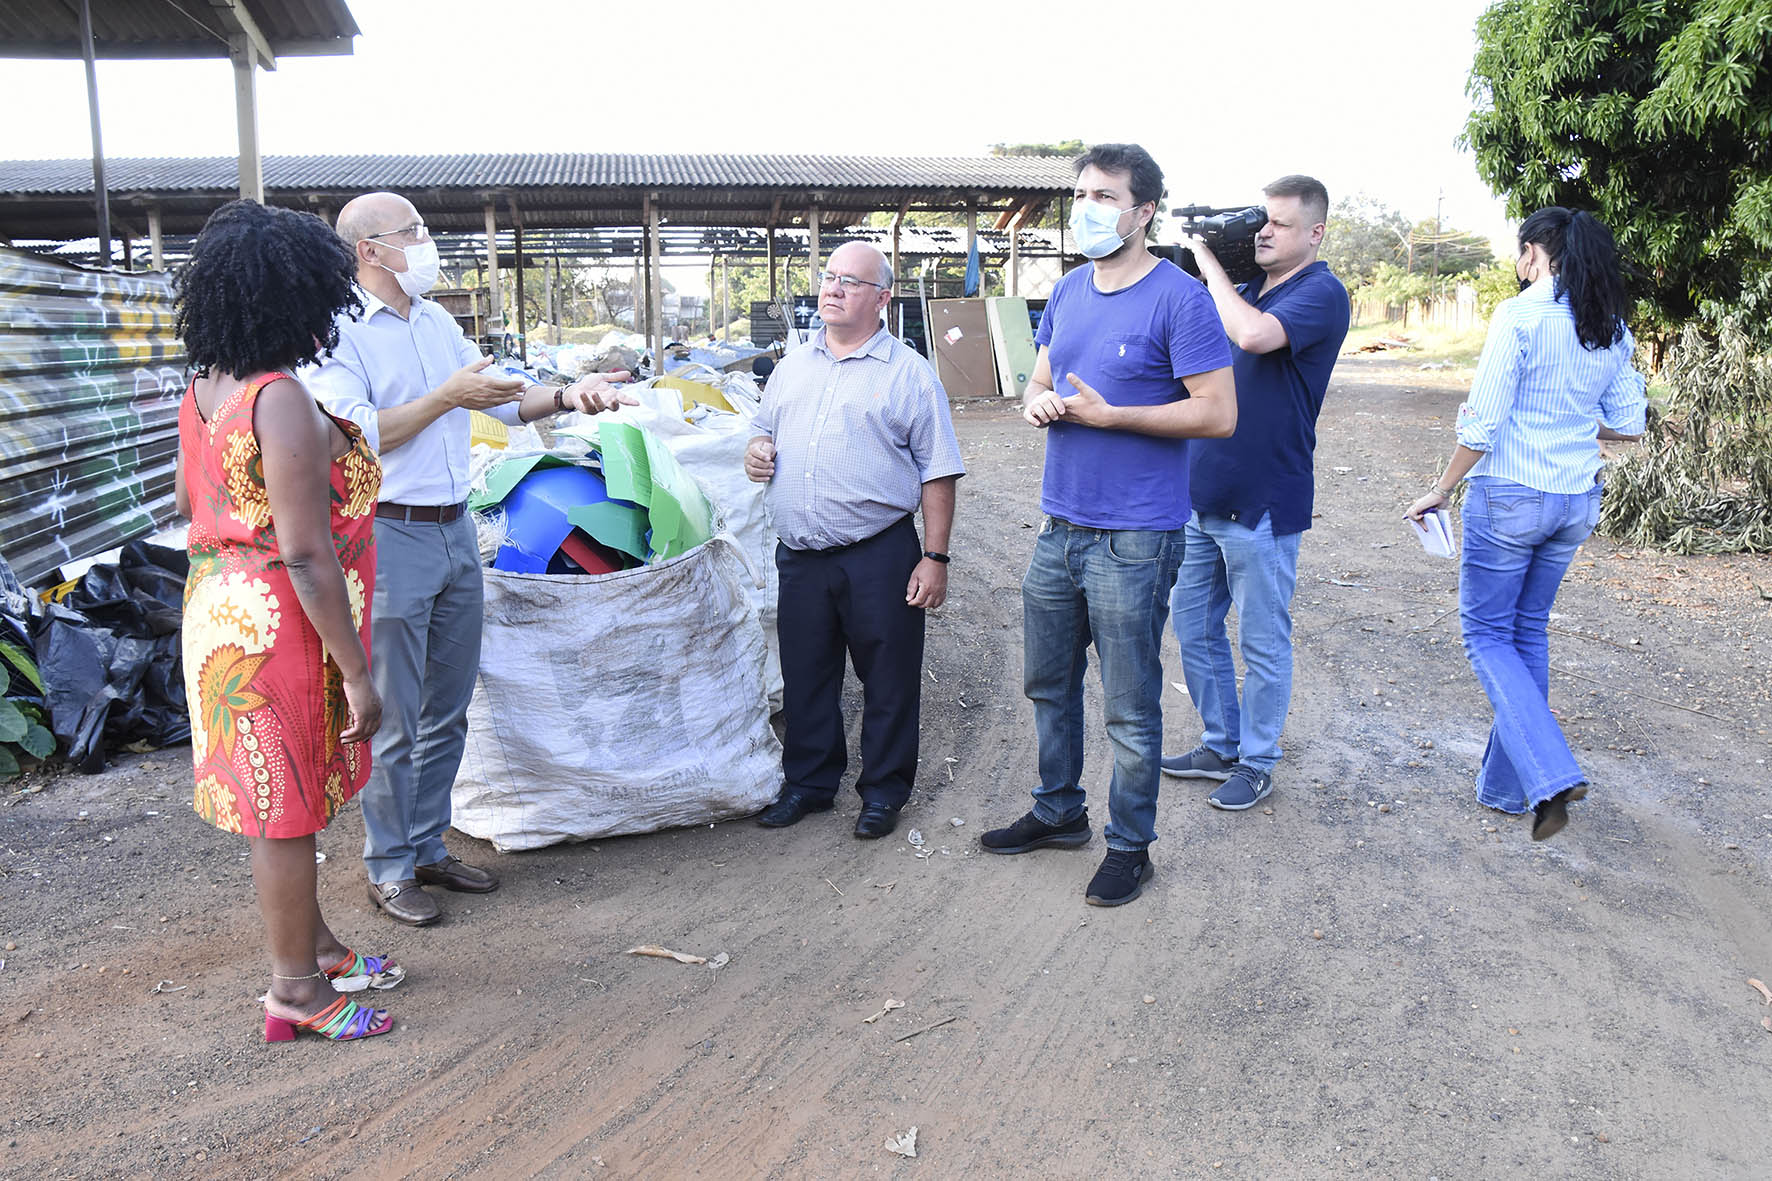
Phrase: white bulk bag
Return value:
(618, 703)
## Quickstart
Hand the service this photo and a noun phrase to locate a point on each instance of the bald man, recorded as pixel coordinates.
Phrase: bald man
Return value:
(405, 374)
(854, 437)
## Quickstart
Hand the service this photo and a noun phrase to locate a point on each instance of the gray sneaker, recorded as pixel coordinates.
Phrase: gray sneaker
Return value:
(1243, 788)
(1198, 763)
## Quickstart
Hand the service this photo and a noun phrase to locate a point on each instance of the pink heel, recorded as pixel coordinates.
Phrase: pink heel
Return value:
(343, 1020)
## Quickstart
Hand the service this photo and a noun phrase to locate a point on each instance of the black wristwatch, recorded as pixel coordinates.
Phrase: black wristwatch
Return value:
(935, 557)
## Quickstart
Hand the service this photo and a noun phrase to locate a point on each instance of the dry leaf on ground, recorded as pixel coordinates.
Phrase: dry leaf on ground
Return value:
(1764, 991)
(665, 953)
(884, 1009)
(905, 1144)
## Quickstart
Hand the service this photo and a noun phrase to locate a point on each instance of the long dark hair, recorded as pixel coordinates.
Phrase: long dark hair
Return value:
(1584, 259)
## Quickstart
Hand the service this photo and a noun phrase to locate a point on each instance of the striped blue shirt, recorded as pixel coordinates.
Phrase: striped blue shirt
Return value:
(1539, 395)
(856, 439)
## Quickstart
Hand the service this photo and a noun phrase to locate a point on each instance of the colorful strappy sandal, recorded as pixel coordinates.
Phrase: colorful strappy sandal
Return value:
(356, 972)
(344, 1020)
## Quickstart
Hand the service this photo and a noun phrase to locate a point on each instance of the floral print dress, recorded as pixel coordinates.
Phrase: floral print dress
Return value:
(267, 701)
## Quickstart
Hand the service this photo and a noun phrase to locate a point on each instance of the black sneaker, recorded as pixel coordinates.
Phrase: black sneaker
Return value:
(1120, 879)
(1031, 833)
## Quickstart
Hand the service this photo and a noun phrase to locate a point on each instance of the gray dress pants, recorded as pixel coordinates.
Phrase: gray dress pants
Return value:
(424, 655)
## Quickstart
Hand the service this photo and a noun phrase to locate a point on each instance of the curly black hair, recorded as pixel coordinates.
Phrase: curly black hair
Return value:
(262, 290)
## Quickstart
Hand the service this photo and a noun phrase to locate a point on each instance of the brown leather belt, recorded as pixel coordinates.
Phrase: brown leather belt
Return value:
(419, 514)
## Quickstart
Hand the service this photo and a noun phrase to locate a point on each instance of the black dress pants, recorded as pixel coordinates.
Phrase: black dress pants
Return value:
(851, 599)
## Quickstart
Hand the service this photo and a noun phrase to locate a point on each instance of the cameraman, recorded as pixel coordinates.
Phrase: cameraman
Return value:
(1252, 494)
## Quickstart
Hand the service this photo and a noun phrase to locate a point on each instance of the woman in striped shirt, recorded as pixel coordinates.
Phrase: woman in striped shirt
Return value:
(1555, 370)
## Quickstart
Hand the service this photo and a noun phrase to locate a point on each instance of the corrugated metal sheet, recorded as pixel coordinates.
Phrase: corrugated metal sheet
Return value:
(157, 28)
(90, 381)
(513, 170)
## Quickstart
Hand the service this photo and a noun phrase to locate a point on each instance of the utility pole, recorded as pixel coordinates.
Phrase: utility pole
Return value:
(1438, 201)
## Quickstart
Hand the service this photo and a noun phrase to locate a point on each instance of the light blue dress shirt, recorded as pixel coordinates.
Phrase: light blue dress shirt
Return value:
(1539, 394)
(855, 438)
(385, 360)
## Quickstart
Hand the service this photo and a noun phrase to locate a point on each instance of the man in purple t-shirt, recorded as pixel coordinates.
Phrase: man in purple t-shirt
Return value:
(1133, 362)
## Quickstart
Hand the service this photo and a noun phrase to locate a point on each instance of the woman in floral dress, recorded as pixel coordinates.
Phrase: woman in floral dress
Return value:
(281, 498)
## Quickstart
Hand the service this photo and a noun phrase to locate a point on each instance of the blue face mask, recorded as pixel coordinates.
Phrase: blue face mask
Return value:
(1097, 228)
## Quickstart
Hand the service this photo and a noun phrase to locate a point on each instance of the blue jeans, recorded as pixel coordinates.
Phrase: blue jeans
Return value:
(1518, 543)
(1227, 562)
(424, 654)
(1109, 586)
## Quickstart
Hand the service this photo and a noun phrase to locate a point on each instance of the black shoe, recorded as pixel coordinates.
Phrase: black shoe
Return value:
(791, 808)
(1120, 879)
(876, 821)
(1030, 832)
(1549, 816)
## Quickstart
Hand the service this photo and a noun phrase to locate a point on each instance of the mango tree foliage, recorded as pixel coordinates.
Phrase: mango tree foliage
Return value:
(1656, 115)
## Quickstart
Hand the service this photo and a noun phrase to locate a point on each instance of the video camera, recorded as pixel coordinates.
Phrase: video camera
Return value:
(1229, 232)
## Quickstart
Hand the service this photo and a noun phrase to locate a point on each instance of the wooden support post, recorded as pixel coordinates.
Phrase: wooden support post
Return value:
(897, 225)
(712, 260)
(156, 240)
(769, 260)
(725, 301)
(769, 247)
(972, 243)
(1013, 284)
(522, 313)
(495, 312)
(634, 288)
(128, 252)
(101, 197)
(245, 59)
(655, 291)
(814, 262)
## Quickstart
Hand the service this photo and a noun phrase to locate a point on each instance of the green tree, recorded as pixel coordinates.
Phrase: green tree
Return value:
(1654, 114)
(1362, 233)
(1064, 147)
(1448, 252)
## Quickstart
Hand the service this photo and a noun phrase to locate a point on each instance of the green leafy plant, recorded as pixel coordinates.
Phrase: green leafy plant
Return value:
(22, 728)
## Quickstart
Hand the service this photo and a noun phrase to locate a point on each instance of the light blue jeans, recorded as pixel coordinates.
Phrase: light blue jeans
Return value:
(424, 654)
(1110, 587)
(1518, 543)
(1227, 562)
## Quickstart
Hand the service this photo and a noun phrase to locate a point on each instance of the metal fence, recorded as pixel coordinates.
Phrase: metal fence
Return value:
(1456, 311)
(90, 381)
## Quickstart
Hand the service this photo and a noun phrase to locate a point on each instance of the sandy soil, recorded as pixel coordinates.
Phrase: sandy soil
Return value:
(1373, 975)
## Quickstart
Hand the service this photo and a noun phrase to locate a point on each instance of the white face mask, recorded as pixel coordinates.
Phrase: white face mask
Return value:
(1097, 228)
(421, 270)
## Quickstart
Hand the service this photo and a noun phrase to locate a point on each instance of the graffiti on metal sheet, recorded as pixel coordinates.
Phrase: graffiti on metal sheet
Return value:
(90, 380)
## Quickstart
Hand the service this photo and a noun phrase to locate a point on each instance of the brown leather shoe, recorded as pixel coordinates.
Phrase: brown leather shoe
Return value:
(405, 902)
(452, 873)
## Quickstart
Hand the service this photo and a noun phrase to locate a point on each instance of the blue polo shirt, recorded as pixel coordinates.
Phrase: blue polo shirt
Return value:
(1133, 346)
(1265, 468)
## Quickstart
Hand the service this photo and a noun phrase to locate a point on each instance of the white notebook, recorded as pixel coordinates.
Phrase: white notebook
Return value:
(1435, 531)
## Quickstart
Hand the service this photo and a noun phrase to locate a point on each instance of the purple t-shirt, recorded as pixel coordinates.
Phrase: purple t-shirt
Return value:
(1134, 346)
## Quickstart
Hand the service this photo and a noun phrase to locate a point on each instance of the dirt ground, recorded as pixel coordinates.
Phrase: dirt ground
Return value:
(1372, 975)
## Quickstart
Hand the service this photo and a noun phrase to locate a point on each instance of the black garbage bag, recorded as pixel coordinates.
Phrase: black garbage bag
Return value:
(111, 658)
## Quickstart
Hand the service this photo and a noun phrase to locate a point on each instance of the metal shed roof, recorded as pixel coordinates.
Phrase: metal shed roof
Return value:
(49, 198)
(159, 29)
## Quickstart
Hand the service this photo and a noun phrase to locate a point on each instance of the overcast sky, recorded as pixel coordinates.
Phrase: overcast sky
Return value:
(1368, 96)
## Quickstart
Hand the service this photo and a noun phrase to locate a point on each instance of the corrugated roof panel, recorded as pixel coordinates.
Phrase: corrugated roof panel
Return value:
(541, 170)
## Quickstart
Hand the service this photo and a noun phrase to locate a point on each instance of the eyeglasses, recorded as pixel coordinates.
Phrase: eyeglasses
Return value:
(849, 283)
(419, 231)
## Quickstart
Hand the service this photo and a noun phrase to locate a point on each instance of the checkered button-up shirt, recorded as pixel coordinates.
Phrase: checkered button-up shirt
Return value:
(856, 438)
